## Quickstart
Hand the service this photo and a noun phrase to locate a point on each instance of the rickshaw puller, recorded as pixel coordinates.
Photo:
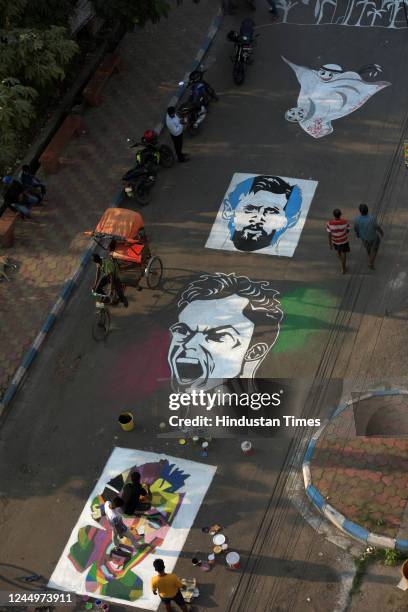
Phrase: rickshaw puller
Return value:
(107, 271)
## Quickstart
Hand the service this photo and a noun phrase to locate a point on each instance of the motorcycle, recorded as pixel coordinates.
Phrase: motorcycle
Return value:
(243, 50)
(194, 110)
(140, 179)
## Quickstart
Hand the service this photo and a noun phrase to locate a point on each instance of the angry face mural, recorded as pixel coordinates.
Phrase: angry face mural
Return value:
(330, 93)
(226, 326)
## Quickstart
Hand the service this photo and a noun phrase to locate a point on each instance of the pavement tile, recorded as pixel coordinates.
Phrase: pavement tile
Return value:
(366, 477)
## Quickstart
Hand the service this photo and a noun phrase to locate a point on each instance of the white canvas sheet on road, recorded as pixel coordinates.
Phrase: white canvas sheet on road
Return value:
(86, 566)
(262, 214)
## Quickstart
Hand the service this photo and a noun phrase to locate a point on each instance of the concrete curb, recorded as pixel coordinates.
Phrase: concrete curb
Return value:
(71, 284)
(331, 514)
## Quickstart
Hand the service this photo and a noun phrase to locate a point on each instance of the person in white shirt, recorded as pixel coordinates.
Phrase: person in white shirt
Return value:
(119, 529)
(175, 127)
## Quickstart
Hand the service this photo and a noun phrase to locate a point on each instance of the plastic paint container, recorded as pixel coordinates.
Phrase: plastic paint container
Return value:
(204, 449)
(211, 559)
(246, 447)
(125, 420)
(195, 439)
(232, 560)
(219, 539)
(182, 441)
(88, 605)
(217, 550)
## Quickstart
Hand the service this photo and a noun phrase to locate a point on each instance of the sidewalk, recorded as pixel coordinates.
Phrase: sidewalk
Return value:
(365, 477)
(47, 252)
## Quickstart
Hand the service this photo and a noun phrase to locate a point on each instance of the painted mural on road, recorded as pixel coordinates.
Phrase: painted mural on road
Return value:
(94, 564)
(358, 13)
(262, 214)
(226, 326)
(329, 93)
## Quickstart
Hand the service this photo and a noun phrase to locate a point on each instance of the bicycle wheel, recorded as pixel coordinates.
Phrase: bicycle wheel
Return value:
(101, 324)
(153, 272)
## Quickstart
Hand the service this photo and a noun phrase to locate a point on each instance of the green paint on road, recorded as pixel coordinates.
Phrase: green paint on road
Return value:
(306, 311)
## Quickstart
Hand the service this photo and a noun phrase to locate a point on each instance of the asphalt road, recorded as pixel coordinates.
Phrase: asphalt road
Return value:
(62, 426)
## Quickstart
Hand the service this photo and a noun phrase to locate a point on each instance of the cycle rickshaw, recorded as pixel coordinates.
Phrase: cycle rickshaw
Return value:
(125, 228)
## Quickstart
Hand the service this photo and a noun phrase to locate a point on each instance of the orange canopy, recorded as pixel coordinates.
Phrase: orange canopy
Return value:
(120, 222)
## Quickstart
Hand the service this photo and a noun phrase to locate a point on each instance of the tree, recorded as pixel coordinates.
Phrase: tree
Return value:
(285, 6)
(16, 113)
(319, 9)
(365, 4)
(132, 12)
(36, 57)
(374, 14)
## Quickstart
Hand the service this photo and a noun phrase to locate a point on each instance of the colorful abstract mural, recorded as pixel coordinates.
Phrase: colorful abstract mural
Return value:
(92, 564)
(226, 326)
(330, 92)
(262, 214)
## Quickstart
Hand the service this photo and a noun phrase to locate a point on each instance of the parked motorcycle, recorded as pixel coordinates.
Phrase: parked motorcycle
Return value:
(194, 110)
(140, 179)
(245, 42)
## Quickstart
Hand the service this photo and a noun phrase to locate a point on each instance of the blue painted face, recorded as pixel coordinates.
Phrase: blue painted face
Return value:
(258, 220)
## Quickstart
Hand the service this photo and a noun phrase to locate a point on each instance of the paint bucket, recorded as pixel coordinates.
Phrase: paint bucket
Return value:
(204, 449)
(125, 420)
(98, 603)
(246, 447)
(232, 560)
(88, 605)
(211, 559)
(195, 439)
(403, 583)
(196, 562)
(217, 550)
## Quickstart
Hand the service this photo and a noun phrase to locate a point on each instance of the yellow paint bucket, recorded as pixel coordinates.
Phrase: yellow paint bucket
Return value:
(126, 422)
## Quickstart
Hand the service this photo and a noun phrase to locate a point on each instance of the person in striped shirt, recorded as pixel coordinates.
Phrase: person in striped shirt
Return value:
(338, 230)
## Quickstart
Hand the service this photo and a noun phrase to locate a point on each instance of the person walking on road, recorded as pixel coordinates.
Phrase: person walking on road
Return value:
(338, 230)
(175, 127)
(370, 232)
(167, 586)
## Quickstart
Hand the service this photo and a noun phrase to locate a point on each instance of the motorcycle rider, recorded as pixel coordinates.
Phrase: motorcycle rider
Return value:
(198, 99)
(149, 157)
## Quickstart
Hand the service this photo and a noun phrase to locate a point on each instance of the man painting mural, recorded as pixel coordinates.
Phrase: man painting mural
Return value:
(226, 326)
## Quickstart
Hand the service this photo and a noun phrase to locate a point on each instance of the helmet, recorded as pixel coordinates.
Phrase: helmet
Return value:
(195, 76)
(150, 137)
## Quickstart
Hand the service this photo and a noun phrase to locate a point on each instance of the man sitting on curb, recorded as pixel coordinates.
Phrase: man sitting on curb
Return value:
(17, 198)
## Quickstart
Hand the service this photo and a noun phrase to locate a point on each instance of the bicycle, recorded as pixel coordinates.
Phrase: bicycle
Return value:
(102, 319)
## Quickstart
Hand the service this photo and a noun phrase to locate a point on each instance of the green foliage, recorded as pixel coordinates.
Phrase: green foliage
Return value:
(387, 556)
(16, 113)
(36, 57)
(34, 13)
(132, 12)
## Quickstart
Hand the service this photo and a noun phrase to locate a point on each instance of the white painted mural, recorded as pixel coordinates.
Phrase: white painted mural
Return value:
(357, 13)
(262, 213)
(329, 93)
(226, 325)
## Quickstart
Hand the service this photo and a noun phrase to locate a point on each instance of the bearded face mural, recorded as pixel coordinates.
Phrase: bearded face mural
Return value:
(330, 93)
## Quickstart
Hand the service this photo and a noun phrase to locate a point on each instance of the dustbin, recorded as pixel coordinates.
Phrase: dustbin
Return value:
(126, 421)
